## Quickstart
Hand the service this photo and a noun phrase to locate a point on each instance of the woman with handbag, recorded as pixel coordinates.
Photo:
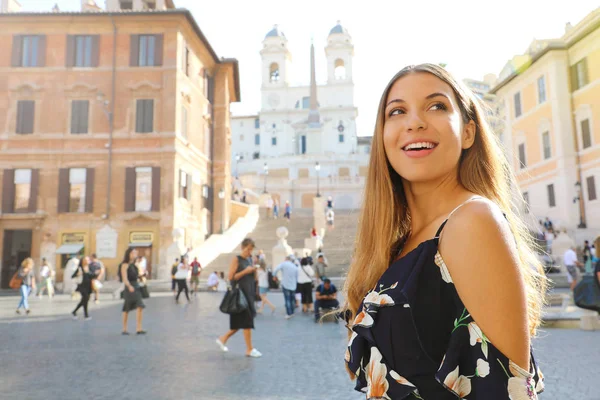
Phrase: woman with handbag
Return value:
(241, 275)
(85, 287)
(133, 296)
(305, 284)
(25, 275)
(181, 277)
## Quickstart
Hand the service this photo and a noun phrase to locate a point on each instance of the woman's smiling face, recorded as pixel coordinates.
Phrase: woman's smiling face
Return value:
(424, 132)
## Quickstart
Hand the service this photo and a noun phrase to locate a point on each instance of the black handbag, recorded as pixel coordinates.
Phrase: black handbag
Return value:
(234, 301)
(587, 294)
(145, 292)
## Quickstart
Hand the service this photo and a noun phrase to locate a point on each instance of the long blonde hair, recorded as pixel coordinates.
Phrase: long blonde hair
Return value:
(385, 221)
(27, 263)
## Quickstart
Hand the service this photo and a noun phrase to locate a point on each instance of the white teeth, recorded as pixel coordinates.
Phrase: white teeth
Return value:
(420, 145)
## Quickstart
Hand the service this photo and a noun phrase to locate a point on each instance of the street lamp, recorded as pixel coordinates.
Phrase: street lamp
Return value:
(578, 198)
(318, 168)
(222, 197)
(108, 109)
(266, 170)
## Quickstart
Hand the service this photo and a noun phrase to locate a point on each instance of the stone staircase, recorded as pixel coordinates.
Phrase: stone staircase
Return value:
(337, 246)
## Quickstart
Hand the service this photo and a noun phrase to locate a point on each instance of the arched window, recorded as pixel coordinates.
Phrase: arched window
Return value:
(274, 72)
(339, 69)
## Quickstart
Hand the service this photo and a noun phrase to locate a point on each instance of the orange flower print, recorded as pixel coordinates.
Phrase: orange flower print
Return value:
(400, 379)
(459, 384)
(377, 383)
(364, 319)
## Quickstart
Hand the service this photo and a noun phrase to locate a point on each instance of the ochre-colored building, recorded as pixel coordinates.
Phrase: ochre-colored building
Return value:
(114, 132)
(552, 126)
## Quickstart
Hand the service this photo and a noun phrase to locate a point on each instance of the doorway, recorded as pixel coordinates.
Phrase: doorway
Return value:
(16, 248)
(303, 144)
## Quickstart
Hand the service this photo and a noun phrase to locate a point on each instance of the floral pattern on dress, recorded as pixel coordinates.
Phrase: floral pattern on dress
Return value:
(472, 367)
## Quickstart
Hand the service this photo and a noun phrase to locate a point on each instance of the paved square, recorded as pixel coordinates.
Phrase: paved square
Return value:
(49, 356)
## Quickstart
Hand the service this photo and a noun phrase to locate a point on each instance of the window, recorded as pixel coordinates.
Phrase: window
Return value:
(185, 185)
(25, 116)
(518, 110)
(184, 122)
(149, 5)
(551, 198)
(256, 123)
(28, 51)
(144, 116)
(522, 159)
(526, 201)
(143, 189)
(274, 72)
(341, 138)
(79, 116)
(83, 51)
(274, 126)
(579, 76)
(126, 5)
(339, 69)
(547, 146)
(591, 185)
(586, 136)
(146, 50)
(257, 139)
(77, 180)
(306, 102)
(186, 60)
(541, 84)
(22, 190)
(274, 141)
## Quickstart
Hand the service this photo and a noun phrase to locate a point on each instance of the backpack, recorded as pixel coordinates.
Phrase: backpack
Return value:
(16, 281)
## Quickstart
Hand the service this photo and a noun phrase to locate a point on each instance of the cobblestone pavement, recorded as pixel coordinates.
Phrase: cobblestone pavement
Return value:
(47, 355)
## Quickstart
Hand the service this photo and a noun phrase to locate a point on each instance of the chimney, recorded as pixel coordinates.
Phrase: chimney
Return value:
(568, 27)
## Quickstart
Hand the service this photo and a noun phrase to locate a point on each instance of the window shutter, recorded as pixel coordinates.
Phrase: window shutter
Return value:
(591, 184)
(8, 191)
(155, 189)
(17, 51)
(189, 187)
(158, 50)
(139, 115)
(148, 121)
(574, 78)
(584, 70)
(130, 189)
(75, 116)
(41, 61)
(25, 116)
(70, 51)
(33, 194)
(64, 190)
(89, 190)
(95, 50)
(134, 50)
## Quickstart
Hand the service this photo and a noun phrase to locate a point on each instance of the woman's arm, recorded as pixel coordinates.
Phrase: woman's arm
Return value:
(232, 268)
(479, 251)
(124, 277)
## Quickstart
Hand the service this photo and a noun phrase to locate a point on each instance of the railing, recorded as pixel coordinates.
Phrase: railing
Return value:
(258, 181)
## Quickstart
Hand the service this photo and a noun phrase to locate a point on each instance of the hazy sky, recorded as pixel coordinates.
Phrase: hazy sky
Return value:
(473, 37)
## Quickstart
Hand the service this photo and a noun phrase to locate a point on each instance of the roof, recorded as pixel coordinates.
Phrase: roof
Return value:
(275, 32)
(120, 13)
(338, 29)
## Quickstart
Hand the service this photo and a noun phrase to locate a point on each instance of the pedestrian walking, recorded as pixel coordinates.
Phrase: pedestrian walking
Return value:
(263, 288)
(306, 275)
(330, 216)
(27, 277)
(571, 263)
(85, 287)
(46, 275)
(195, 280)
(269, 207)
(445, 289)
(289, 282)
(133, 295)
(276, 209)
(329, 202)
(173, 272)
(97, 270)
(242, 272)
(288, 211)
(587, 257)
(183, 270)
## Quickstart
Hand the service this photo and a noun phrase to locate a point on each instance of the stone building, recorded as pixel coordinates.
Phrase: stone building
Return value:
(114, 132)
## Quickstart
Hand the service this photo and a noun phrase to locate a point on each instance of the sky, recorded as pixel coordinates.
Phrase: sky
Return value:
(473, 37)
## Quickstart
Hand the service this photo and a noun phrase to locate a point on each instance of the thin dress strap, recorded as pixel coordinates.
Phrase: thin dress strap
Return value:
(439, 231)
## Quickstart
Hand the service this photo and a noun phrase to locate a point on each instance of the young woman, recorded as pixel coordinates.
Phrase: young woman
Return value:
(46, 279)
(25, 273)
(181, 277)
(262, 277)
(132, 295)
(444, 290)
(306, 273)
(85, 287)
(242, 271)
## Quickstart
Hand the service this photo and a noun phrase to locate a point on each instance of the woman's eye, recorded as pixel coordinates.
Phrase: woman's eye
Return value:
(438, 107)
(396, 112)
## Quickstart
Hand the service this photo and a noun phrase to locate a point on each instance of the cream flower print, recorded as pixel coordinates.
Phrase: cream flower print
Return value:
(477, 336)
(348, 354)
(377, 383)
(400, 379)
(483, 368)
(439, 261)
(520, 386)
(459, 384)
(364, 319)
(379, 299)
(540, 384)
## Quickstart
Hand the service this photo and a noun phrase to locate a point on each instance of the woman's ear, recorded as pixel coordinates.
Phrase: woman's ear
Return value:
(469, 132)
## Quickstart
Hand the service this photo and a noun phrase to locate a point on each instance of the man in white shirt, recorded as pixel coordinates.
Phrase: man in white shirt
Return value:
(289, 282)
(571, 263)
(213, 281)
(45, 279)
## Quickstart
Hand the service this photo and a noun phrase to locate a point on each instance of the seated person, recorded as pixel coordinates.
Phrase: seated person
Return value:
(326, 298)
(213, 281)
(222, 285)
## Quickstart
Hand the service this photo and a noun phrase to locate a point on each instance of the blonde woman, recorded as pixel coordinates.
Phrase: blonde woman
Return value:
(25, 273)
(442, 298)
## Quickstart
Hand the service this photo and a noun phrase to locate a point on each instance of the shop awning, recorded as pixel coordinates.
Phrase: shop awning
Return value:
(140, 244)
(69, 249)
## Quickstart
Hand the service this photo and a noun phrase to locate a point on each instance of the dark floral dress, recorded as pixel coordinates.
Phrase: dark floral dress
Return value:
(414, 339)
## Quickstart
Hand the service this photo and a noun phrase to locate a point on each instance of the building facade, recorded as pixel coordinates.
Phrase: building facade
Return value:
(551, 96)
(116, 133)
(303, 136)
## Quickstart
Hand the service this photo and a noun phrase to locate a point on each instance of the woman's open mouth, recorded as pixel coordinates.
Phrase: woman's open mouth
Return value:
(419, 149)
